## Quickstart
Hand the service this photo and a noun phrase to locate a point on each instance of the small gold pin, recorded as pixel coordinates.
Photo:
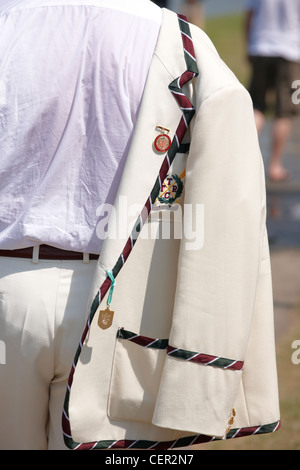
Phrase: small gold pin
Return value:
(162, 143)
(231, 420)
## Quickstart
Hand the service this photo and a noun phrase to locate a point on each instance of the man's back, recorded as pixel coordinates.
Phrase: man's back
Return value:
(72, 77)
(275, 28)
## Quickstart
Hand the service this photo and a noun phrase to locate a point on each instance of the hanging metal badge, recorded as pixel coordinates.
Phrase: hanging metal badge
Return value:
(162, 142)
(106, 316)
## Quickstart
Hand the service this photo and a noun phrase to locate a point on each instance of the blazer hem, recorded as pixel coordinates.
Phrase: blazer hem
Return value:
(166, 445)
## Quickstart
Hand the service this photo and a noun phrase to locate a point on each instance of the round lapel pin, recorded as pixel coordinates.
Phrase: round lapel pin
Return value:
(162, 142)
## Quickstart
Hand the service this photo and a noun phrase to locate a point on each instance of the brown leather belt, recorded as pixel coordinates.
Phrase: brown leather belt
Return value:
(46, 252)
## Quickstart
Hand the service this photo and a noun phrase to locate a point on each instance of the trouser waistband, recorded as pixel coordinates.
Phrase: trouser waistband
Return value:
(48, 252)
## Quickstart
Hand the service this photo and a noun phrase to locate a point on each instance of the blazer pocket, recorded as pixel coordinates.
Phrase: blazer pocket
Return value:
(136, 373)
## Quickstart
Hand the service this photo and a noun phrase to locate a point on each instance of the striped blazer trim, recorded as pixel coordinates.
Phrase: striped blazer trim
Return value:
(183, 354)
(167, 445)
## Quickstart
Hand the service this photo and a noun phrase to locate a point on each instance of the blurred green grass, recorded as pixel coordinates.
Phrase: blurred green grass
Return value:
(227, 34)
(229, 37)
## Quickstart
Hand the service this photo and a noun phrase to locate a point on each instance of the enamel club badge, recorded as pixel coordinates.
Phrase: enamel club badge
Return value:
(171, 189)
(162, 143)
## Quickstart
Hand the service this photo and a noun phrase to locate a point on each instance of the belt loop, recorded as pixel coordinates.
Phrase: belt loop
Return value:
(86, 258)
(35, 254)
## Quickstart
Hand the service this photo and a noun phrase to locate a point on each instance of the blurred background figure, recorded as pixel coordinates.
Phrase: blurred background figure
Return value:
(273, 42)
(194, 11)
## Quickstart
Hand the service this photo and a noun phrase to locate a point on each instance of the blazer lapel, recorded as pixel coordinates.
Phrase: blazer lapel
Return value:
(163, 104)
(158, 108)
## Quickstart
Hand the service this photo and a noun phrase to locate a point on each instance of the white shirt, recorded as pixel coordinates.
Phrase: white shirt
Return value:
(275, 28)
(72, 74)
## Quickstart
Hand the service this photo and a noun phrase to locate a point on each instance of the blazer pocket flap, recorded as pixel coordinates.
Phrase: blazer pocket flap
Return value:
(136, 373)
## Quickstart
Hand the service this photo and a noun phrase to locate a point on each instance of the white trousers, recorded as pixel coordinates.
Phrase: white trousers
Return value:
(42, 316)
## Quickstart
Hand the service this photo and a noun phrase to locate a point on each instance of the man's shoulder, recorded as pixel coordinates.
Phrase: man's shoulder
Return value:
(213, 71)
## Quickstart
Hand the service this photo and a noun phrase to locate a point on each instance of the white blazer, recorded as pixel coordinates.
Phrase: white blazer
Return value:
(189, 355)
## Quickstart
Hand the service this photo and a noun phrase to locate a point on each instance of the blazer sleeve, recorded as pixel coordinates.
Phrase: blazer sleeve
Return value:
(218, 270)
